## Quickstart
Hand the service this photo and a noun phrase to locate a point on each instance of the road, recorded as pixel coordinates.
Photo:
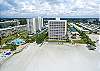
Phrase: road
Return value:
(53, 57)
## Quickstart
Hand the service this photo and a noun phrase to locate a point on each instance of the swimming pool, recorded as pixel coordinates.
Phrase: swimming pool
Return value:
(18, 41)
(72, 29)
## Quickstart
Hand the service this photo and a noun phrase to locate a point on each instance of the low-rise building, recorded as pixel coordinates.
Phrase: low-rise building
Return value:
(12, 30)
(11, 23)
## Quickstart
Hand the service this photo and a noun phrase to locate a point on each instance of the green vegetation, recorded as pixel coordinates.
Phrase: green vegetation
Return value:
(10, 46)
(68, 40)
(41, 37)
(90, 32)
(22, 35)
(57, 41)
(8, 39)
(30, 39)
(22, 21)
(78, 24)
(86, 38)
(68, 26)
(78, 41)
(64, 41)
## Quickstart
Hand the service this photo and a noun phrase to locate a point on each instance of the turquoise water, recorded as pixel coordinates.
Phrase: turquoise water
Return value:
(18, 41)
(72, 29)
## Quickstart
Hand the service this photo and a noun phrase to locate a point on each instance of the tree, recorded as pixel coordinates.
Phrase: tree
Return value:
(41, 37)
(0, 42)
(13, 47)
(22, 21)
(86, 38)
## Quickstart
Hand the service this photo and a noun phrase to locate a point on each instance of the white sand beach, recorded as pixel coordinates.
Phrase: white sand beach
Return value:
(53, 57)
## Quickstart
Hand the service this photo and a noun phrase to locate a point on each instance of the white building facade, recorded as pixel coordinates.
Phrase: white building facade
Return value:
(31, 26)
(57, 29)
(40, 23)
(34, 25)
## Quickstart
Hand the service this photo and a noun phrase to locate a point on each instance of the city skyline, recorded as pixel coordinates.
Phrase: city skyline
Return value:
(49, 8)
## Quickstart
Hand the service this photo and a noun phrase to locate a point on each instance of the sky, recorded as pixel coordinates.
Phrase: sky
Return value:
(49, 8)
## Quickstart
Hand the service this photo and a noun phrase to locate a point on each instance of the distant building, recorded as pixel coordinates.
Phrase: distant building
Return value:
(40, 23)
(91, 20)
(34, 25)
(45, 22)
(31, 26)
(57, 29)
(12, 30)
(10, 23)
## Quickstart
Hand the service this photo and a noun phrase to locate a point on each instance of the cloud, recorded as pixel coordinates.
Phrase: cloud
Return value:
(49, 8)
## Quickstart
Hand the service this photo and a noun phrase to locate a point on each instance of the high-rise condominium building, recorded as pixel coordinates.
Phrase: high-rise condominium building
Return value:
(34, 25)
(57, 29)
(31, 26)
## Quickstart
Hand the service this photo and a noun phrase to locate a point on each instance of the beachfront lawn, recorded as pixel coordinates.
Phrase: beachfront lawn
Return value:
(30, 39)
(85, 38)
(79, 41)
(57, 41)
(41, 37)
(0, 52)
(64, 41)
(10, 46)
(21, 35)
(8, 39)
